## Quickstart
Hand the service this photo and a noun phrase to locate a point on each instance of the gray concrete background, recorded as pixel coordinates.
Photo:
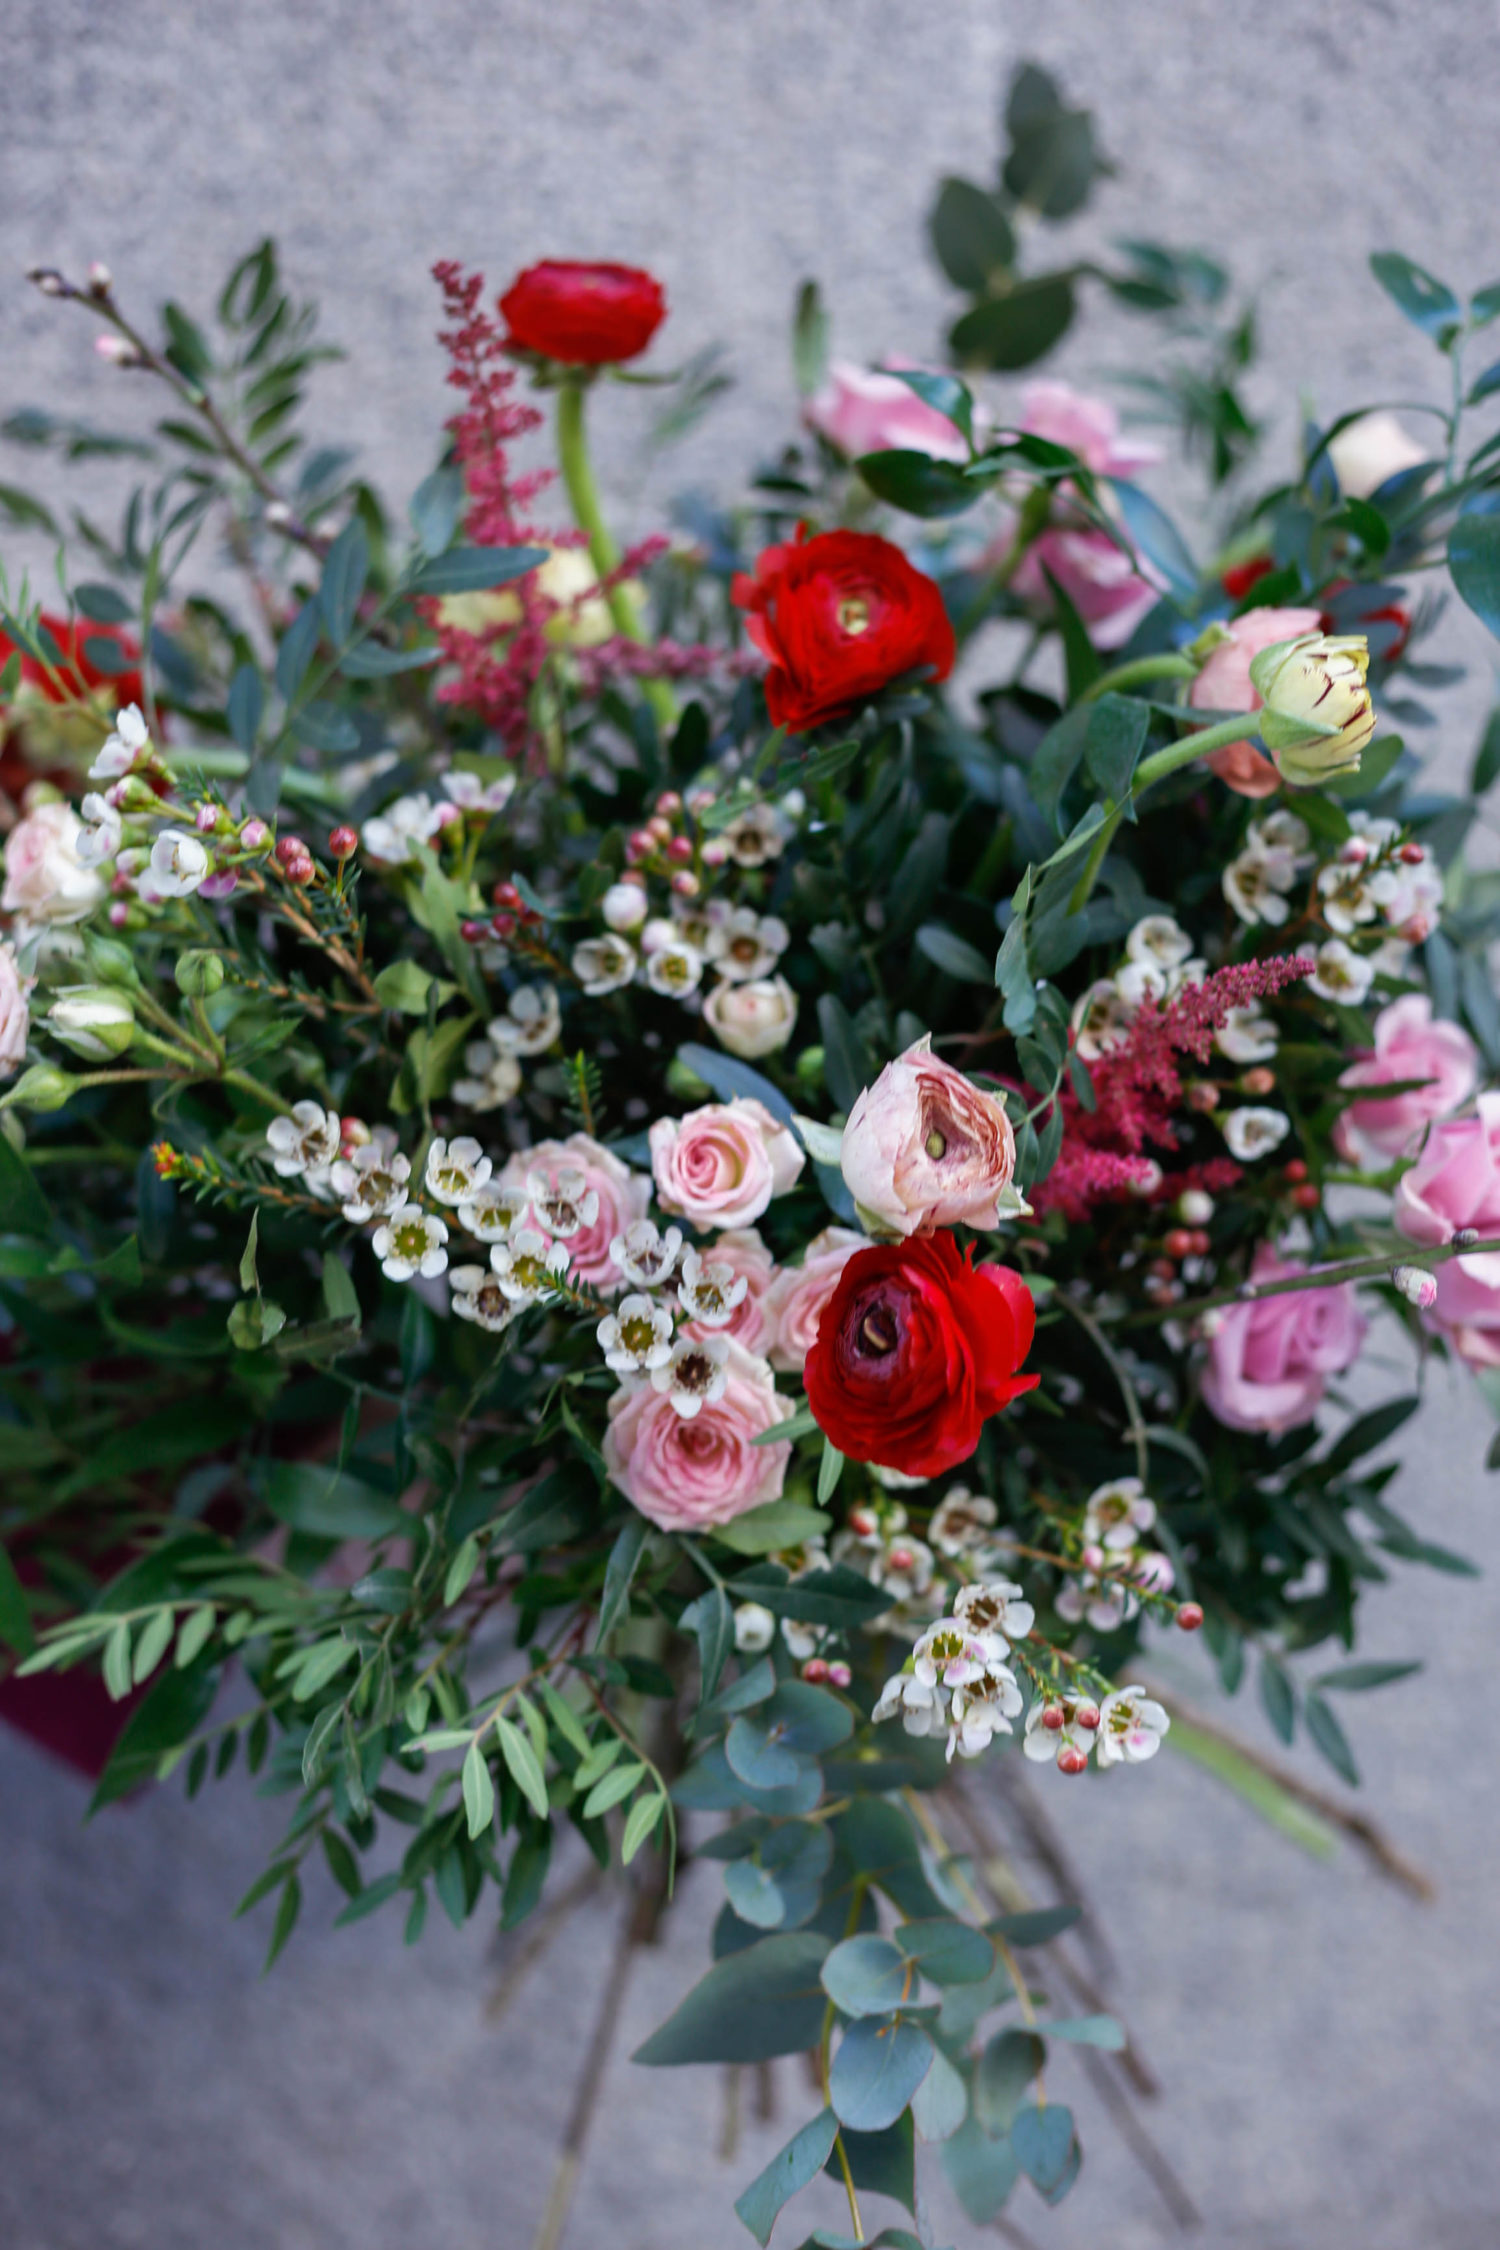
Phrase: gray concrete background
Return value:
(1325, 2045)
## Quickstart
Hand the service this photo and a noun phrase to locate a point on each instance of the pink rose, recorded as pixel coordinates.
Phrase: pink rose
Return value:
(923, 1148)
(1268, 1361)
(799, 1293)
(624, 1196)
(14, 1015)
(1099, 579)
(720, 1165)
(1455, 1183)
(45, 880)
(1408, 1045)
(1224, 685)
(861, 410)
(752, 1322)
(1089, 427)
(688, 1475)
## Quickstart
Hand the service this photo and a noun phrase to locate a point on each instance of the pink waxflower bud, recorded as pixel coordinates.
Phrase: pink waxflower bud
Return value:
(253, 834)
(1355, 851)
(685, 883)
(119, 914)
(839, 1675)
(815, 1671)
(1087, 1716)
(117, 350)
(715, 852)
(669, 804)
(1092, 1558)
(342, 841)
(1052, 1718)
(290, 849)
(1189, 1617)
(1071, 1760)
(639, 845)
(1416, 1285)
(680, 850)
(206, 819)
(101, 280)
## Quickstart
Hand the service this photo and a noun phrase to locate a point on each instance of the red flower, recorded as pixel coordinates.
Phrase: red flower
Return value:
(840, 616)
(914, 1349)
(584, 315)
(1240, 577)
(74, 641)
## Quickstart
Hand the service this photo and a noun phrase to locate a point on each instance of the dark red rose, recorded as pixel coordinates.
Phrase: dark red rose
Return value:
(585, 315)
(840, 616)
(915, 1348)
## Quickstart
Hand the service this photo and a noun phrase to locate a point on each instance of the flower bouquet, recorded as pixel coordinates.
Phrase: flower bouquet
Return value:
(678, 1196)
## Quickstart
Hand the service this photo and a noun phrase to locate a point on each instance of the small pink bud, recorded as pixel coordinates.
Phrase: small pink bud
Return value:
(1416, 1286)
(1189, 1617)
(1355, 852)
(658, 829)
(861, 1522)
(839, 1675)
(446, 815)
(473, 933)
(715, 852)
(680, 850)
(119, 914)
(353, 1133)
(1412, 855)
(815, 1671)
(669, 804)
(685, 883)
(206, 819)
(253, 835)
(1092, 1558)
(639, 845)
(1052, 1718)
(101, 280)
(1259, 1081)
(343, 840)
(117, 351)
(1072, 1760)
(1087, 1716)
(901, 1558)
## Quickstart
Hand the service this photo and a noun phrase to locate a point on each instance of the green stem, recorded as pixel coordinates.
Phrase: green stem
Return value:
(583, 497)
(1138, 670)
(1154, 769)
(1322, 1277)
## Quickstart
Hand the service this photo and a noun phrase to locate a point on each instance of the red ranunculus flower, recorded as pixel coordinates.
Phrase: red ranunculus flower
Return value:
(585, 315)
(74, 640)
(840, 616)
(915, 1348)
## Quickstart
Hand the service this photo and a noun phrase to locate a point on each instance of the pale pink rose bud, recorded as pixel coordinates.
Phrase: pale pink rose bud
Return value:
(721, 1165)
(753, 1019)
(924, 1148)
(1416, 1285)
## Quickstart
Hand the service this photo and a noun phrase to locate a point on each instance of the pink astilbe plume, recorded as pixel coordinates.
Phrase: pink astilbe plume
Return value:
(1137, 1089)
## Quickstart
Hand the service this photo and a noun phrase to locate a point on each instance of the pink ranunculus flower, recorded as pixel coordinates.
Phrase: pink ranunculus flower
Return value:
(15, 1016)
(45, 880)
(688, 1475)
(864, 410)
(1455, 1183)
(1108, 592)
(924, 1148)
(752, 1323)
(1268, 1361)
(721, 1165)
(1408, 1045)
(799, 1293)
(1224, 685)
(624, 1196)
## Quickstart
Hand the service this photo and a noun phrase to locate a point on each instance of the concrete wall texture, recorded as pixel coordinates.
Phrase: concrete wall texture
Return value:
(1322, 2040)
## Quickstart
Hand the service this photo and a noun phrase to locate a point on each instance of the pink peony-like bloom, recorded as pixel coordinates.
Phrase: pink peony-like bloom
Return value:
(1099, 579)
(1087, 426)
(799, 1293)
(752, 1323)
(45, 880)
(688, 1475)
(1224, 685)
(1268, 1361)
(863, 410)
(624, 1196)
(1454, 1184)
(923, 1148)
(15, 1016)
(1408, 1045)
(721, 1165)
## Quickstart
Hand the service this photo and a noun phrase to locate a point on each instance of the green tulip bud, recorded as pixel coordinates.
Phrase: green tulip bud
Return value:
(199, 973)
(1318, 716)
(95, 1020)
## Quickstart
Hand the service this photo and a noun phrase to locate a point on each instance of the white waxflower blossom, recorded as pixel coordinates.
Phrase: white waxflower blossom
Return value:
(1042, 1743)
(121, 750)
(624, 907)
(1105, 1603)
(1281, 832)
(563, 1205)
(754, 1628)
(948, 1656)
(1249, 1133)
(1131, 1727)
(636, 1338)
(528, 1266)
(1342, 974)
(472, 794)
(1247, 1036)
(1256, 884)
(492, 1213)
(693, 920)
(1139, 981)
(1101, 1020)
(100, 840)
(1348, 897)
(695, 1373)
(1410, 893)
(493, 1079)
(478, 1296)
(983, 1708)
(410, 1243)
(1114, 1513)
(179, 863)
(674, 969)
(709, 1293)
(305, 1142)
(998, 1608)
(922, 1709)
(960, 1521)
(371, 1182)
(756, 836)
(1159, 940)
(643, 1254)
(531, 1022)
(603, 965)
(746, 945)
(802, 1640)
(395, 835)
(455, 1169)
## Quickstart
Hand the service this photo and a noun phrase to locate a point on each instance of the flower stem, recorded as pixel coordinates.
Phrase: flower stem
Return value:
(1321, 1277)
(1139, 670)
(583, 496)
(1150, 770)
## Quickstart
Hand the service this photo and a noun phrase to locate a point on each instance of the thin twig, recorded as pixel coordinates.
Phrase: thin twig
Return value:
(540, 1931)
(591, 2079)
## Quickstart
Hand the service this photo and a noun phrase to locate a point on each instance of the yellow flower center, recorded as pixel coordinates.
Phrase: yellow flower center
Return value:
(854, 615)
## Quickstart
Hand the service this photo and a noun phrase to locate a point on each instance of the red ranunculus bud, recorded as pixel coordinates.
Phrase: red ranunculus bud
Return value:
(840, 616)
(584, 315)
(915, 1348)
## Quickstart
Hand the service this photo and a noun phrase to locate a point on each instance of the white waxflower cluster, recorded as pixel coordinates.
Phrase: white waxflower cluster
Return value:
(1159, 962)
(395, 837)
(638, 1337)
(1118, 1565)
(751, 1009)
(532, 1023)
(956, 1679)
(1257, 883)
(1381, 886)
(1126, 1729)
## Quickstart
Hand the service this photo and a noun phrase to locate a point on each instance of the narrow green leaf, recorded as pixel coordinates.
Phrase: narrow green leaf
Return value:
(644, 1817)
(15, 1617)
(460, 1571)
(523, 1764)
(478, 1790)
(615, 1786)
(286, 1921)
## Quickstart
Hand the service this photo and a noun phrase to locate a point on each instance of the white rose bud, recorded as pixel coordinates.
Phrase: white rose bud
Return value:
(1371, 450)
(754, 1019)
(95, 1020)
(1318, 716)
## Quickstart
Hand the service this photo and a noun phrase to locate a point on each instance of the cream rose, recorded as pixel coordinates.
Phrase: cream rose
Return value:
(924, 1148)
(688, 1473)
(45, 880)
(797, 1296)
(754, 1019)
(721, 1165)
(15, 1017)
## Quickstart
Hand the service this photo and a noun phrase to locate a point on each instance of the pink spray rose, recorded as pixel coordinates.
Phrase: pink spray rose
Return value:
(1455, 1183)
(923, 1148)
(1408, 1045)
(45, 880)
(1268, 1361)
(14, 1015)
(720, 1165)
(1224, 685)
(799, 1293)
(863, 410)
(624, 1196)
(752, 1322)
(688, 1475)
(1105, 588)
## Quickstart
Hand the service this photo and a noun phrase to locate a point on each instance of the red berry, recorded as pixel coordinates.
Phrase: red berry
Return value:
(342, 841)
(1071, 1760)
(1087, 1716)
(1202, 1242)
(1190, 1617)
(1307, 1197)
(503, 925)
(815, 1670)
(1179, 1243)
(1296, 1170)
(1052, 1718)
(1413, 854)
(473, 933)
(506, 894)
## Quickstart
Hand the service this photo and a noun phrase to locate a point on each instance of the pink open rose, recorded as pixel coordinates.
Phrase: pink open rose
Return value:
(721, 1165)
(1224, 685)
(1269, 1361)
(1455, 1183)
(752, 1323)
(799, 1293)
(1408, 1045)
(624, 1196)
(14, 1014)
(689, 1474)
(45, 880)
(862, 410)
(924, 1148)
